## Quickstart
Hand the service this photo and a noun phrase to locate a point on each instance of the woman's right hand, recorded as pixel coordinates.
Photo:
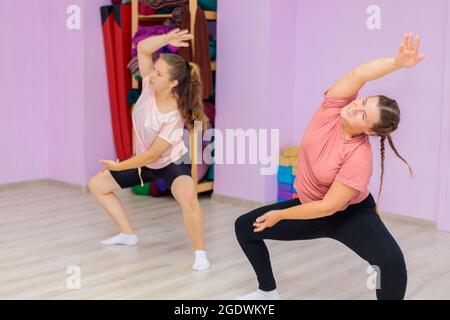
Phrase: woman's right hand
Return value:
(179, 38)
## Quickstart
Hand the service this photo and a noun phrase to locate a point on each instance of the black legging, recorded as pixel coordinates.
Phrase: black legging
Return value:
(358, 227)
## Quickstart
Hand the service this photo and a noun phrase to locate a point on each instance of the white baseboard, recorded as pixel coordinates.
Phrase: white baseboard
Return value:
(216, 197)
(43, 182)
(384, 215)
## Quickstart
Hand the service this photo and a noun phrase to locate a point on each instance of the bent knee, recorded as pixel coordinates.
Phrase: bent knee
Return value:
(101, 183)
(243, 225)
(393, 263)
(188, 199)
(92, 184)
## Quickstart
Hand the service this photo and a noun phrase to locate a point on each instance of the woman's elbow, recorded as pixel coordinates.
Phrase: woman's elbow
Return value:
(150, 160)
(330, 208)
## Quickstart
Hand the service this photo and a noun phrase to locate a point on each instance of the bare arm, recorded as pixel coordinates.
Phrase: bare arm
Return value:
(337, 197)
(146, 47)
(145, 50)
(407, 57)
(158, 147)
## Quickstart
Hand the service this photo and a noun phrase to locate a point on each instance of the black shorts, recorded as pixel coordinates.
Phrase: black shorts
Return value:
(130, 178)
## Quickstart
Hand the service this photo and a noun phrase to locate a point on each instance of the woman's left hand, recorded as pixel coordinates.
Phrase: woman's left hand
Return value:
(110, 165)
(267, 220)
(179, 38)
(408, 53)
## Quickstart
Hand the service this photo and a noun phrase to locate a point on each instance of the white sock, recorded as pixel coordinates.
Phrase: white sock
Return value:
(122, 238)
(261, 295)
(201, 261)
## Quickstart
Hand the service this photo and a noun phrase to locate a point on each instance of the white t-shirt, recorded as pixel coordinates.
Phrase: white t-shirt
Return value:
(149, 123)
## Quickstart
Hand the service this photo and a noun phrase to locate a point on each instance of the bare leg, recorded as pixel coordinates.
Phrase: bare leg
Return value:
(102, 186)
(183, 189)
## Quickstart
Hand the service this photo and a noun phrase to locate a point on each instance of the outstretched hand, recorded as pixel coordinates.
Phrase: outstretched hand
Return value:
(408, 53)
(179, 38)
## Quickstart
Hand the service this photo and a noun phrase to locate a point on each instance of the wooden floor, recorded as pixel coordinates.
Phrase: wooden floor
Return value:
(46, 228)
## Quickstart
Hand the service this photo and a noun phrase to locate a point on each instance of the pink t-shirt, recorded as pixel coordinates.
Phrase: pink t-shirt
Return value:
(325, 156)
(149, 123)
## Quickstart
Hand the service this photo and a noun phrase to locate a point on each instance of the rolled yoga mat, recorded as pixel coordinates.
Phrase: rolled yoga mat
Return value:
(122, 49)
(108, 39)
(116, 27)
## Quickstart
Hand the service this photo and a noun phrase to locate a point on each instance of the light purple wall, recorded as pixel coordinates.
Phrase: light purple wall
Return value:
(62, 127)
(333, 38)
(330, 38)
(242, 75)
(274, 62)
(23, 90)
(79, 103)
(66, 98)
(281, 91)
(443, 211)
(98, 136)
(254, 57)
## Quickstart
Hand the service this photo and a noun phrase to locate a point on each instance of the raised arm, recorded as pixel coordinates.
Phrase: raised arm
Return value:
(147, 46)
(407, 57)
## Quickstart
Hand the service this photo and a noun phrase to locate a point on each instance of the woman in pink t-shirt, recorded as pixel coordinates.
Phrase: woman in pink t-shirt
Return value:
(334, 170)
(171, 99)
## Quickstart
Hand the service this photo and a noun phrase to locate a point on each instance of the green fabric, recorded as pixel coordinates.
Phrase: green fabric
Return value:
(212, 49)
(142, 191)
(210, 5)
(210, 173)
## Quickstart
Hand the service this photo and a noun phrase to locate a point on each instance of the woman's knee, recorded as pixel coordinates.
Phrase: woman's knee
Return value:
(102, 183)
(243, 226)
(188, 199)
(392, 267)
(393, 258)
(92, 184)
(396, 263)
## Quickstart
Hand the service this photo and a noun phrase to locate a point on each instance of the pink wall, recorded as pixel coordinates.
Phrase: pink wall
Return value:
(443, 205)
(242, 64)
(274, 62)
(254, 61)
(66, 98)
(333, 38)
(63, 126)
(281, 91)
(330, 38)
(79, 103)
(98, 136)
(24, 90)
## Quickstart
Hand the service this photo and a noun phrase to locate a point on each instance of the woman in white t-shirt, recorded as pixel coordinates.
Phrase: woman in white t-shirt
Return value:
(171, 99)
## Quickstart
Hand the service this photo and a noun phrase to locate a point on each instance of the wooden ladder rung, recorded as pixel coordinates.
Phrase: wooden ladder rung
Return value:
(205, 186)
(211, 15)
(154, 16)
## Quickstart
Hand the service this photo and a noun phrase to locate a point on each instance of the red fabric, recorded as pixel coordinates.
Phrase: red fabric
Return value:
(146, 10)
(210, 111)
(122, 49)
(108, 39)
(201, 43)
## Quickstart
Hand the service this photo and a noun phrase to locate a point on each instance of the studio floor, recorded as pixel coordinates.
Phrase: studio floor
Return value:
(47, 227)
